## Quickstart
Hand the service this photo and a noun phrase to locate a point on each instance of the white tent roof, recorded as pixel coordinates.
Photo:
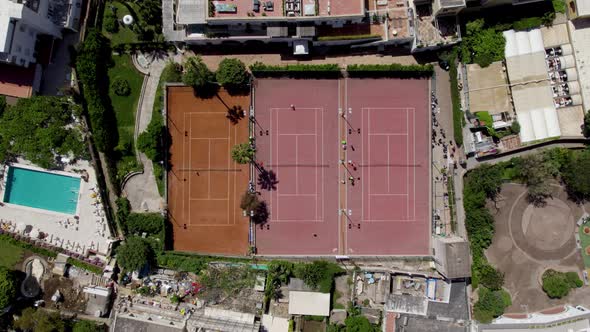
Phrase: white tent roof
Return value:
(309, 303)
(523, 42)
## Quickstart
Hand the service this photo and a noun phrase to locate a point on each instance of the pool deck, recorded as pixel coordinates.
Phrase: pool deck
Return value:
(90, 231)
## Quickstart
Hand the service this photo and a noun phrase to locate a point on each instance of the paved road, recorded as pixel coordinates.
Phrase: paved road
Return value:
(141, 189)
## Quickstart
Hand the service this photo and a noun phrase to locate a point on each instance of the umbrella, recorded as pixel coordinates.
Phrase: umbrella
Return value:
(34, 233)
(20, 227)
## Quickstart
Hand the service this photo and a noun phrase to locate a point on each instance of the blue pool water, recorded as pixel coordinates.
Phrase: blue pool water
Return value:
(42, 190)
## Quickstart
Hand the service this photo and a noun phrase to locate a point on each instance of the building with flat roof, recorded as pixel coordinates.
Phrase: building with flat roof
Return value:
(309, 303)
(559, 319)
(22, 22)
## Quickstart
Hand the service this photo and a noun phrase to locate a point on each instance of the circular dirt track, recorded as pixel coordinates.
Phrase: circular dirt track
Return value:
(544, 233)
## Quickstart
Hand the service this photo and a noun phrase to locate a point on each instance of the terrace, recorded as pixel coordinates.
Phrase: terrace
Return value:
(284, 8)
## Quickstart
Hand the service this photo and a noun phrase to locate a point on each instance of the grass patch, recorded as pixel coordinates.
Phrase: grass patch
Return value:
(125, 35)
(10, 254)
(559, 6)
(335, 297)
(585, 240)
(125, 106)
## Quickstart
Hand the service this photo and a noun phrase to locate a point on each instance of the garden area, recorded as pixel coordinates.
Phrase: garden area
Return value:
(558, 284)
(146, 24)
(584, 233)
(536, 172)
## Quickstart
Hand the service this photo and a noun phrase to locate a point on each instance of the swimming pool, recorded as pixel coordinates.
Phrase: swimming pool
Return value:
(42, 190)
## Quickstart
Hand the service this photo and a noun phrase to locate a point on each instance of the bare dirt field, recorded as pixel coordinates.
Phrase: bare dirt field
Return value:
(529, 240)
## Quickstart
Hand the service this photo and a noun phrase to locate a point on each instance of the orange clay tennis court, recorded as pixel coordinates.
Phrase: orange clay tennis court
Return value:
(204, 183)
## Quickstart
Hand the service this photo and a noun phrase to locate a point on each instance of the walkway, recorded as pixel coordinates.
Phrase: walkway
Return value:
(141, 190)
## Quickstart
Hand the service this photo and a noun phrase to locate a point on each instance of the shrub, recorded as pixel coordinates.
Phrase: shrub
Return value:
(110, 23)
(121, 87)
(527, 23)
(232, 74)
(358, 324)
(243, 153)
(482, 45)
(586, 128)
(197, 74)
(7, 287)
(391, 70)
(150, 223)
(491, 277)
(151, 141)
(456, 99)
(259, 69)
(318, 275)
(85, 266)
(134, 254)
(558, 284)
(491, 304)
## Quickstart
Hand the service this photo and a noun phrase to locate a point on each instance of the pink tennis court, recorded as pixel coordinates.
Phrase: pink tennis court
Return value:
(388, 140)
(297, 140)
(343, 166)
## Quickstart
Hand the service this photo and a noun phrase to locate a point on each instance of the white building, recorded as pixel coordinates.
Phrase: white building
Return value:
(23, 21)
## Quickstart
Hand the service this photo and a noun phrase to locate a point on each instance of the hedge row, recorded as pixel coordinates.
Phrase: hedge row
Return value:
(259, 69)
(27, 246)
(348, 37)
(91, 67)
(456, 100)
(391, 70)
(49, 253)
(85, 266)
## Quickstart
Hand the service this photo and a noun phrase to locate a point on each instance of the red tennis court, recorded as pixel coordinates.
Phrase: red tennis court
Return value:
(387, 163)
(297, 139)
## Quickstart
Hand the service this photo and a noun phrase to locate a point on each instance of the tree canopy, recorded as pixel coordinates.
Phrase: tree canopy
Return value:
(40, 321)
(197, 74)
(491, 304)
(38, 128)
(134, 254)
(482, 45)
(358, 324)
(243, 153)
(7, 287)
(151, 141)
(558, 284)
(86, 326)
(232, 74)
(576, 175)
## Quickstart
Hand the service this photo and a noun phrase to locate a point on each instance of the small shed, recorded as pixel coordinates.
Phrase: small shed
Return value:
(309, 303)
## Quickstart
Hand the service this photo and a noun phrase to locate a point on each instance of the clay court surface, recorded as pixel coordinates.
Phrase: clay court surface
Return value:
(204, 183)
(383, 206)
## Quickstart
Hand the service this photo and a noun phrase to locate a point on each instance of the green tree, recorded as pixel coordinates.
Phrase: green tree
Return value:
(515, 127)
(134, 254)
(556, 287)
(491, 277)
(536, 174)
(249, 201)
(151, 140)
(586, 128)
(87, 326)
(490, 304)
(243, 153)
(39, 128)
(39, 321)
(121, 87)
(482, 45)
(358, 324)
(7, 287)
(232, 74)
(576, 175)
(110, 22)
(197, 74)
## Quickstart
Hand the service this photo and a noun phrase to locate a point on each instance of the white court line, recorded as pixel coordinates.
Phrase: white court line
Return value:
(208, 199)
(190, 159)
(228, 174)
(407, 170)
(414, 159)
(296, 163)
(210, 139)
(389, 167)
(297, 134)
(296, 220)
(315, 155)
(184, 160)
(209, 177)
(388, 134)
(369, 159)
(297, 195)
(406, 194)
(363, 161)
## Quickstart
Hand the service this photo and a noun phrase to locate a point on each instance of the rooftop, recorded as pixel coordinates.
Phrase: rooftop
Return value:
(488, 89)
(452, 257)
(309, 303)
(16, 81)
(240, 9)
(423, 324)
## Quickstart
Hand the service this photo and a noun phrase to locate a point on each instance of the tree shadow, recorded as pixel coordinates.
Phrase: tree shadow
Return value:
(267, 179)
(237, 89)
(235, 114)
(207, 91)
(261, 214)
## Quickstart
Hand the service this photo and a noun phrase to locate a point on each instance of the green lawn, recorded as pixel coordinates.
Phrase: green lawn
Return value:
(9, 254)
(125, 106)
(124, 35)
(585, 240)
